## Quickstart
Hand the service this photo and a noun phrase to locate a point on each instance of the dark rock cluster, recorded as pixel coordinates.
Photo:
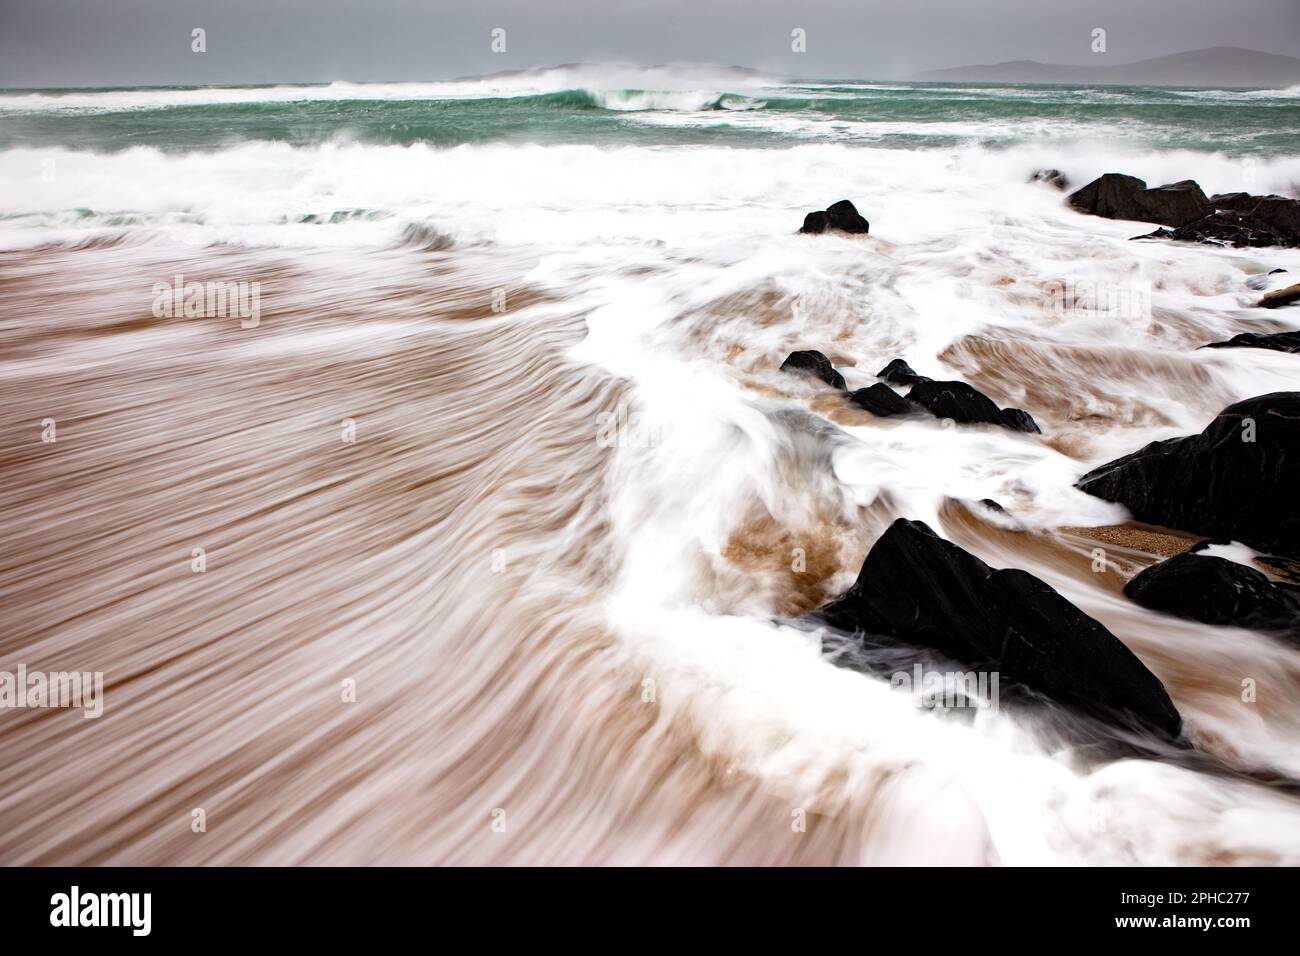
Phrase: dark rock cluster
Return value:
(1116, 196)
(1237, 480)
(957, 401)
(842, 216)
(1236, 219)
(964, 403)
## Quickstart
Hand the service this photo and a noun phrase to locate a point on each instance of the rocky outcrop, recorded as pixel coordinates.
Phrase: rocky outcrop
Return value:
(955, 400)
(1116, 196)
(916, 588)
(1111, 196)
(1225, 228)
(880, 399)
(1277, 213)
(1235, 219)
(814, 363)
(1237, 479)
(839, 217)
(1217, 591)
(1281, 297)
(1277, 341)
(964, 403)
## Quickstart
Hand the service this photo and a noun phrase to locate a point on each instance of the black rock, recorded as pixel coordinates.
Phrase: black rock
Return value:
(1053, 177)
(1175, 204)
(1237, 479)
(900, 373)
(1111, 196)
(880, 399)
(1224, 228)
(1241, 220)
(1232, 200)
(842, 216)
(1278, 213)
(964, 403)
(1116, 196)
(956, 400)
(918, 589)
(814, 222)
(1217, 591)
(816, 363)
(1278, 342)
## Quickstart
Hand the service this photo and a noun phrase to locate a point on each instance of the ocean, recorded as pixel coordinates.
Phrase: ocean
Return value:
(471, 527)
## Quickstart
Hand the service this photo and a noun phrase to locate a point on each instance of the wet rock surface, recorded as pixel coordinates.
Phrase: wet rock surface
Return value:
(1214, 590)
(880, 399)
(1117, 196)
(842, 216)
(919, 589)
(1237, 479)
(1277, 342)
(1237, 219)
(815, 363)
(964, 403)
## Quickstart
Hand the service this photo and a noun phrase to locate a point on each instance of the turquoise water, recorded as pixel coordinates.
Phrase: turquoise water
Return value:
(752, 113)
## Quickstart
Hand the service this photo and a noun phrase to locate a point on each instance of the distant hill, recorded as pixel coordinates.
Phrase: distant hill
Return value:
(1216, 66)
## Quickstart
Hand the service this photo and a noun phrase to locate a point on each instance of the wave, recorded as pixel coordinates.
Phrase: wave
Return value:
(1290, 92)
(426, 238)
(273, 192)
(596, 79)
(619, 100)
(636, 100)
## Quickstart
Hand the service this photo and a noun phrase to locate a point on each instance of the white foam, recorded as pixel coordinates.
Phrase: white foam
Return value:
(593, 77)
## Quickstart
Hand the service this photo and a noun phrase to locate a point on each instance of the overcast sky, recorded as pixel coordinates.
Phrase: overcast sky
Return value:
(130, 42)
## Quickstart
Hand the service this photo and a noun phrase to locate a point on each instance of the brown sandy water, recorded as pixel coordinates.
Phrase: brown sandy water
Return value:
(560, 652)
(445, 561)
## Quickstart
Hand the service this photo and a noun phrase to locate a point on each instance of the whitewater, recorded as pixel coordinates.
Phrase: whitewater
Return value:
(565, 648)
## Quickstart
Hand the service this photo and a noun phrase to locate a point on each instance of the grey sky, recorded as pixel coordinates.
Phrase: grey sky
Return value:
(129, 42)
